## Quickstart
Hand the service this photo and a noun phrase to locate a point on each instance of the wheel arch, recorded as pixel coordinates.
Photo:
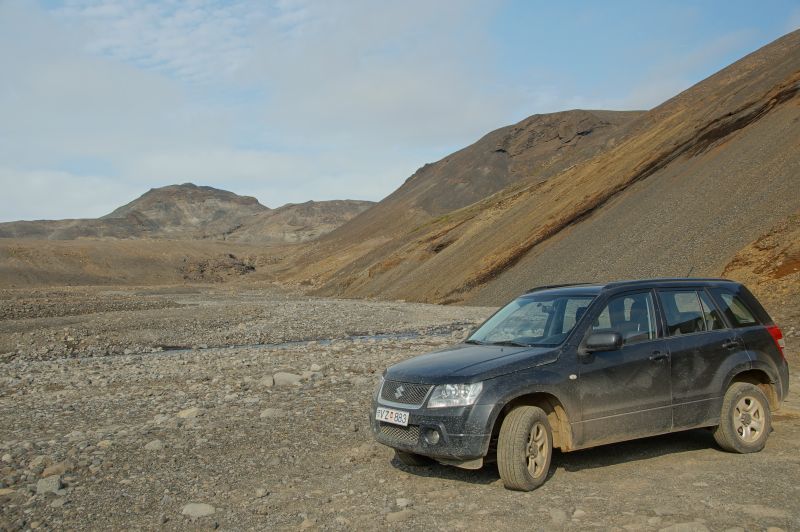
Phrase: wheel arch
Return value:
(762, 380)
(557, 416)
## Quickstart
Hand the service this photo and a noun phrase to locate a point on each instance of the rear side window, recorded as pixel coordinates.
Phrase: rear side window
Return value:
(735, 309)
(711, 315)
(683, 311)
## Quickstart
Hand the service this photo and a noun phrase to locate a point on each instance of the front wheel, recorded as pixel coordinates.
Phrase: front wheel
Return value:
(524, 448)
(745, 421)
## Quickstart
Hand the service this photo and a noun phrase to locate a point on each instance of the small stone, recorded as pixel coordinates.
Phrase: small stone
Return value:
(35, 524)
(5, 491)
(58, 503)
(399, 517)
(686, 527)
(160, 418)
(261, 493)
(7, 458)
(558, 516)
(578, 513)
(266, 381)
(56, 469)
(104, 444)
(189, 413)
(155, 445)
(306, 524)
(315, 367)
(272, 413)
(286, 379)
(196, 509)
(665, 510)
(403, 503)
(49, 485)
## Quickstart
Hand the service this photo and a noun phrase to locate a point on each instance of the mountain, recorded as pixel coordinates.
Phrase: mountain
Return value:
(298, 222)
(192, 212)
(188, 209)
(530, 151)
(680, 190)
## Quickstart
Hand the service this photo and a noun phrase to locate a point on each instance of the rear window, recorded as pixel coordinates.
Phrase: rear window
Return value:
(737, 312)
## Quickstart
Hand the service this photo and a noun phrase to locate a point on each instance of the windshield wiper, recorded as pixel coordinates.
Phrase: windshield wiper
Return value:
(476, 342)
(509, 342)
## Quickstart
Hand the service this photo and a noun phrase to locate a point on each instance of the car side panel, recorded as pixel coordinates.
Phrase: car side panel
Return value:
(700, 364)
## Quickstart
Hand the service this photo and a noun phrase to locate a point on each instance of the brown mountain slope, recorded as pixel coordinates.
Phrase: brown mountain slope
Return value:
(193, 212)
(695, 180)
(532, 150)
(298, 222)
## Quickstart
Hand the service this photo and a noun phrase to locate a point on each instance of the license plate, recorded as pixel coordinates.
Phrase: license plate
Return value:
(388, 415)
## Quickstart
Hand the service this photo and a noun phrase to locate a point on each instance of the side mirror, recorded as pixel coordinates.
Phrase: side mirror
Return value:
(604, 341)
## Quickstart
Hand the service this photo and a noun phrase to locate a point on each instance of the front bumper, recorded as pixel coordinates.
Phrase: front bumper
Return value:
(464, 432)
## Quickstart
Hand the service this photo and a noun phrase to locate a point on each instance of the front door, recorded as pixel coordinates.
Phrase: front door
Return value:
(625, 393)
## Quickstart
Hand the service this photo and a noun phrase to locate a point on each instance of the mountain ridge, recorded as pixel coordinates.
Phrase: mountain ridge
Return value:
(189, 211)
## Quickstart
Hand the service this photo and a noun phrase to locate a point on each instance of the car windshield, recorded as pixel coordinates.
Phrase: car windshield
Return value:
(533, 320)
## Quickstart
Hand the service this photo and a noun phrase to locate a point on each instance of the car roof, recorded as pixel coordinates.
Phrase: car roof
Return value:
(596, 288)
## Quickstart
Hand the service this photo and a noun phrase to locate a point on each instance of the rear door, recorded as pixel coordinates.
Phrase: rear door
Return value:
(625, 393)
(701, 348)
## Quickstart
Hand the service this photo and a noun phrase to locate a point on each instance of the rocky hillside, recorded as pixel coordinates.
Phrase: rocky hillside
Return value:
(680, 190)
(192, 212)
(530, 151)
(299, 222)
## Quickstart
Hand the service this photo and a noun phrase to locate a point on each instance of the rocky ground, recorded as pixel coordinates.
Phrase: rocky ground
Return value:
(106, 424)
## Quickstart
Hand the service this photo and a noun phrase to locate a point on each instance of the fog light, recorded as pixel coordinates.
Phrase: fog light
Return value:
(431, 436)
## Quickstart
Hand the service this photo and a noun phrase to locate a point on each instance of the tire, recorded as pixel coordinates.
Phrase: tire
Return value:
(524, 448)
(745, 421)
(411, 459)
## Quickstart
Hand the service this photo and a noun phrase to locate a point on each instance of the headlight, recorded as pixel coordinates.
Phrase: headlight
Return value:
(378, 389)
(454, 395)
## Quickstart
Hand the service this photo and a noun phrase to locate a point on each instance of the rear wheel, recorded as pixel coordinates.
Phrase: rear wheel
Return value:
(412, 459)
(524, 448)
(745, 421)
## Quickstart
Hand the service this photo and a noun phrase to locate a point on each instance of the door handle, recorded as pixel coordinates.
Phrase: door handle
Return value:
(731, 344)
(658, 356)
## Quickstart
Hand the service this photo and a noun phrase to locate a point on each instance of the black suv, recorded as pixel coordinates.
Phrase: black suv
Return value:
(574, 366)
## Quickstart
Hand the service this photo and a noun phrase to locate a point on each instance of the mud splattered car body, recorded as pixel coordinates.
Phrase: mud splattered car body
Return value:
(576, 366)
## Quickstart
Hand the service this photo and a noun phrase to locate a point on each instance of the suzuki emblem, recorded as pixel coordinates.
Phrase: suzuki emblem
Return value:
(398, 393)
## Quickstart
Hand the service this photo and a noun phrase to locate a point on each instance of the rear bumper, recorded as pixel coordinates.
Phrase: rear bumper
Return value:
(463, 432)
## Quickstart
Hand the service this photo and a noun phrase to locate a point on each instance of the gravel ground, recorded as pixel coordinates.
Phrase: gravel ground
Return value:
(277, 437)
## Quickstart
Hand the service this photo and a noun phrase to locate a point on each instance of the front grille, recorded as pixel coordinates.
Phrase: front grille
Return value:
(404, 392)
(408, 435)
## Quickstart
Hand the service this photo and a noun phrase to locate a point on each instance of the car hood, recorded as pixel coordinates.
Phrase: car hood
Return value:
(467, 363)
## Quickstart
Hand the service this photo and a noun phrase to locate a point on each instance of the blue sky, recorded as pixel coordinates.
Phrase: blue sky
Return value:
(292, 100)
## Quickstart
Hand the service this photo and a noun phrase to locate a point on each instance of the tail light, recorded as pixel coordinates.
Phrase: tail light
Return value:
(777, 335)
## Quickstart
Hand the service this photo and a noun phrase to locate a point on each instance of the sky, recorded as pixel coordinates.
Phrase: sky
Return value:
(297, 100)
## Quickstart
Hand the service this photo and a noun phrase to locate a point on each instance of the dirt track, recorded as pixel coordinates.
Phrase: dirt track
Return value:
(137, 437)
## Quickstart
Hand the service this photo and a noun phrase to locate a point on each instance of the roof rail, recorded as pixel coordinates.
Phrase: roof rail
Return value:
(548, 286)
(667, 279)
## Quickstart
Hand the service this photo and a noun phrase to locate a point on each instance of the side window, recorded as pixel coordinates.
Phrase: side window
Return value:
(735, 309)
(710, 313)
(683, 311)
(631, 315)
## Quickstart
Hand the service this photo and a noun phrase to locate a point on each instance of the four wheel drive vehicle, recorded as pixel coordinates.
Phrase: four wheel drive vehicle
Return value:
(575, 366)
